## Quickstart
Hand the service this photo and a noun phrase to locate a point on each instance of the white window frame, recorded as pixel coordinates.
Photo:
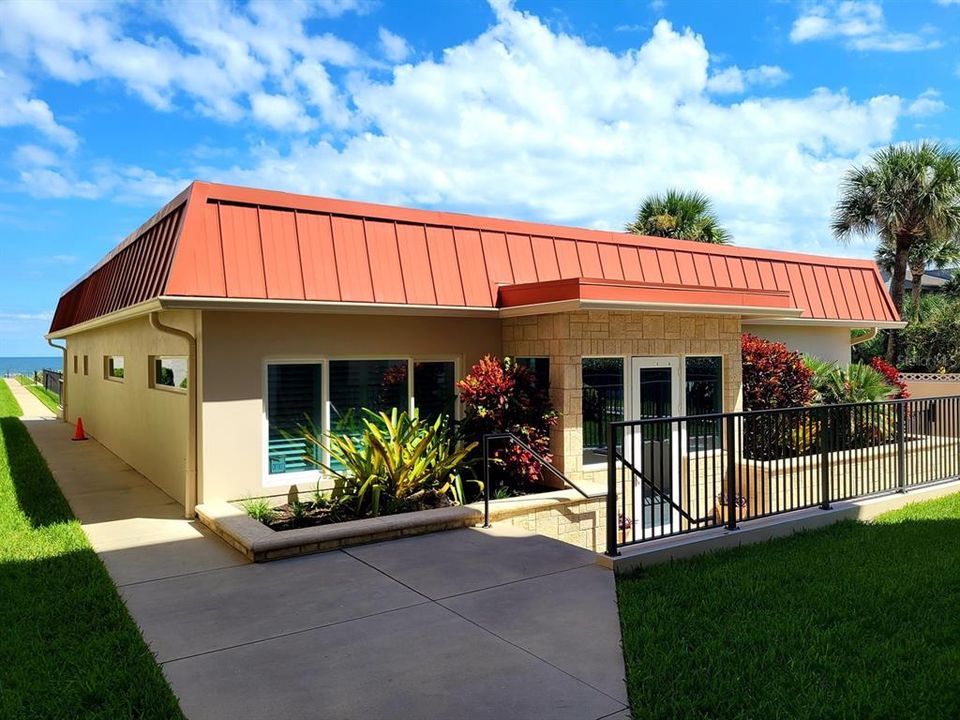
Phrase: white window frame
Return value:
(683, 394)
(168, 388)
(314, 476)
(627, 399)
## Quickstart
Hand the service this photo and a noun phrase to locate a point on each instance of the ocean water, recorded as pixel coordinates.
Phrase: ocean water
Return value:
(28, 365)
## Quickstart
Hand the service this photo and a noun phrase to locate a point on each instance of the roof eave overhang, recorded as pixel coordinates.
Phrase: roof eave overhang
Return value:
(598, 294)
(853, 324)
(547, 308)
(127, 313)
(176, 302)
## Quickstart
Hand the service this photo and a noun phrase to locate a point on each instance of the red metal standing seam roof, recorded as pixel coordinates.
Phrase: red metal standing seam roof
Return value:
(219, 241)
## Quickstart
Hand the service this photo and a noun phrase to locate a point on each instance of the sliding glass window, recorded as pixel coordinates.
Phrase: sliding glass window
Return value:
(434, 388)
(704, 396)
(294, 400)
(603, 403)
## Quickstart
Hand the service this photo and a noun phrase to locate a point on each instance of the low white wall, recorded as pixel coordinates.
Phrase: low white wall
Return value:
(827, 343)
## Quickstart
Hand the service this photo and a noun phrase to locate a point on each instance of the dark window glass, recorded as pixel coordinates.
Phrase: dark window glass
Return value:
(293, 401)
(602, 404)
(357, 384)
(434, 393)
(540, 367)
(704, 396)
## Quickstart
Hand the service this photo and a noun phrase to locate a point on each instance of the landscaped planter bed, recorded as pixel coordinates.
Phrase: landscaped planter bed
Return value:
(565, 515)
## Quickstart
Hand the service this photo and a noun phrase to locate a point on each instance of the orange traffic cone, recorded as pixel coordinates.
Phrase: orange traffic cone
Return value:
(79, 434)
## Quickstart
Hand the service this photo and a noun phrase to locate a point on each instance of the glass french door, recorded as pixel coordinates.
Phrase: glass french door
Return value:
(655, 445)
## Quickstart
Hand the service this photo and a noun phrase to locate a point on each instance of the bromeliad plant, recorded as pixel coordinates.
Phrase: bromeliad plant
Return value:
(399, 462)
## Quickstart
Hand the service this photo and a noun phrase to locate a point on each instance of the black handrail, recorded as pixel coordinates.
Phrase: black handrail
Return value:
(537, 456)
(646, 481)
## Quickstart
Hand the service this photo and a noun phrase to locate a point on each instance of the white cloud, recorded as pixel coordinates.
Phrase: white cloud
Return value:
(225, 60)
(394, 48)
(860, 25)
(530, 122)
(734, 80)
(927, 103)
(523, 120)
(34, 155)
(24, 317)
(280, 112)
(19, 108)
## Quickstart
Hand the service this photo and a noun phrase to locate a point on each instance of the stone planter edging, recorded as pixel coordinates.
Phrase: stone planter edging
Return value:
(259, 543)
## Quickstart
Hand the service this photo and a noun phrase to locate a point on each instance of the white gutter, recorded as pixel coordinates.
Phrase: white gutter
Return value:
(190, 479)
(63, 384)
(871, 334)
(820, 322)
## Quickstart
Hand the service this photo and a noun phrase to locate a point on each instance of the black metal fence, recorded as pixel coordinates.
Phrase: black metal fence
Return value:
(53, 381)
(675, 475)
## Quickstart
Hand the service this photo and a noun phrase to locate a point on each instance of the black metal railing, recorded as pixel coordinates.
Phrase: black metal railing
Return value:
(53, 381)
(510, 438)
(669, 476)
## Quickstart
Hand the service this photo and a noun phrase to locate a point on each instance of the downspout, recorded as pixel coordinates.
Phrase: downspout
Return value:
(63, 382)
(190, 491)
(871, 334)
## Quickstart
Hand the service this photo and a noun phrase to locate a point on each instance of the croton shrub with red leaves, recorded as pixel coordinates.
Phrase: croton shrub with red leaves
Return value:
(502, 396)
(892, 376)
(773, 375)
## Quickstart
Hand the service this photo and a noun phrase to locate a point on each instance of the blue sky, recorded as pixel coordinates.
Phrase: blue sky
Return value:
(565, 112)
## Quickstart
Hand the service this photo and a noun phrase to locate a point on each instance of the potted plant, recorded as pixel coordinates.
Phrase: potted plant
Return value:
(721, 508)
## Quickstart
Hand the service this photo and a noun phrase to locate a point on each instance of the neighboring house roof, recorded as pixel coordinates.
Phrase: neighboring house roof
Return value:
(223, 246)
(930, 280)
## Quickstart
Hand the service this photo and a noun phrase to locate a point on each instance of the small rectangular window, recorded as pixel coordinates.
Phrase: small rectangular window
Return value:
(75, 365)
(704, 396)
(86, 365)
(113, 367)
(602, 404)
(540, 367)
(434, 389)
(170, 373)
(294, 400)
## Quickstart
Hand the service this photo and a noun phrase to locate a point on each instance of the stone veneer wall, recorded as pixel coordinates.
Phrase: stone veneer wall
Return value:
(566, 337)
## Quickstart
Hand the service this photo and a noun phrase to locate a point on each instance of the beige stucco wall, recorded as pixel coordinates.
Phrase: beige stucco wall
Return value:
(236, 346)
(827, 343)
(932, 386)
(567, 337)
(144, 426)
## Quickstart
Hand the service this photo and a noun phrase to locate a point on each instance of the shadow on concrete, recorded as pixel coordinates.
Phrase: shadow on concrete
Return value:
(38, 496)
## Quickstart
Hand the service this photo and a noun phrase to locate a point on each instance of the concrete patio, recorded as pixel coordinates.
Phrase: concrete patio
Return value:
(463, 624)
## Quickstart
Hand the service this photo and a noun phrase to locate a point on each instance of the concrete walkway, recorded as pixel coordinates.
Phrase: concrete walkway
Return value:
(466, 624)
(31, 406)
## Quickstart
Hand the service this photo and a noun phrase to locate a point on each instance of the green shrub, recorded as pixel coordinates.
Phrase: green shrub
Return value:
(259, 509)
(399, 462)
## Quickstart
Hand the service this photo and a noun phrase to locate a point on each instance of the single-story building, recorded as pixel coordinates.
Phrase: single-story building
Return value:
(208, 334)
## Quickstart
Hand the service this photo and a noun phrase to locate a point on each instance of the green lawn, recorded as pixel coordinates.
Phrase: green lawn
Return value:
(853, 621)
(68, 648)
(50, 399)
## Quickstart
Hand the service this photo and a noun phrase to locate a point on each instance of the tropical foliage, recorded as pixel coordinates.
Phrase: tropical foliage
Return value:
(907, 195)
(856, 383)
(773, 375)
(681, 215)
(938, 252)
(502, 396)
(400, 462)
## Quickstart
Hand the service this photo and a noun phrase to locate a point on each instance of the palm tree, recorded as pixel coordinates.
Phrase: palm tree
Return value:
(905, 194)
(681, 215)
(940, 253)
